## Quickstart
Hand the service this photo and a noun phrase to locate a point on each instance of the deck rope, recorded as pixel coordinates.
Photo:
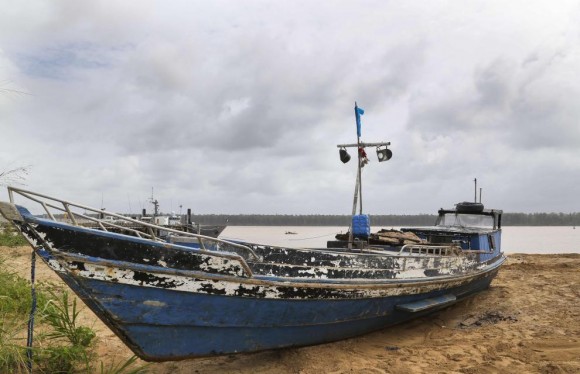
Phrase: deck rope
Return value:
(313, 237)
(296, 239)
(32, 312)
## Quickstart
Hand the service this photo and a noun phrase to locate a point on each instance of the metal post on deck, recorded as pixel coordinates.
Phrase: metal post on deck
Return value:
(358, 151)
(356, 189)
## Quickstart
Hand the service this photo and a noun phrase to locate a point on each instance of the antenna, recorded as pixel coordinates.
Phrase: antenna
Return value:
(475, 198)
(155, 203)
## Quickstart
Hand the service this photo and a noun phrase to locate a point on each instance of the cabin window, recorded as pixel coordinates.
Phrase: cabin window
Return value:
(465, 220)
(491, 240)
(440, 239)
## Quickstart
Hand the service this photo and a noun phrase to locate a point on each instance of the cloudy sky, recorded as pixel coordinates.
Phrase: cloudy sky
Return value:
(237, 106)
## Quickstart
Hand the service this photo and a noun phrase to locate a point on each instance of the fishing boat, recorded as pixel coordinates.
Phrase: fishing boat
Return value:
(168, 301)
(181, 223)
(189, 295)
(178, 222)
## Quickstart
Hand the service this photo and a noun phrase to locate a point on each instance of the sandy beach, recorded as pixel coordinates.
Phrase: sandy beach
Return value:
(527, 322)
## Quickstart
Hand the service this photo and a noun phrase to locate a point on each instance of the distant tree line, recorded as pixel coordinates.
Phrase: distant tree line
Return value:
(541, 219)
(508, 219)
(309, 220)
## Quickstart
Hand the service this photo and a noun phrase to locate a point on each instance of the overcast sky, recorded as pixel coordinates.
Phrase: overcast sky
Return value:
(237, 106)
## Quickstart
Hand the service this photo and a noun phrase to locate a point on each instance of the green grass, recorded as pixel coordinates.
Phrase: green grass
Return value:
(61, 345)
(62, 316)
(10, 237)
(12, 352)
(15, 294)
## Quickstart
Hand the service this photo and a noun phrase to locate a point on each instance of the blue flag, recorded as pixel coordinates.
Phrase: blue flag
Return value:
(358, 112)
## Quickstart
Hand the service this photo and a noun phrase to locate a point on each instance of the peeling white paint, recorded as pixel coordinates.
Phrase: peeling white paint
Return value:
(416, 267)
(242, 287)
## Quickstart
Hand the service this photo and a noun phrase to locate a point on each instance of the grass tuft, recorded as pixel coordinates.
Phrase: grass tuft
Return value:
(62, 316)
(62, 346)
(123, 368)
(10, 237)
(12, 353)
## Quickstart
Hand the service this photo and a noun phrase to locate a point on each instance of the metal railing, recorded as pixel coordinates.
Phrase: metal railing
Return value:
(123, 223)
(438, 250)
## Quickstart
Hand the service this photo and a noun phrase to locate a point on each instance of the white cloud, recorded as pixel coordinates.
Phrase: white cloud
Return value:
(236, 107)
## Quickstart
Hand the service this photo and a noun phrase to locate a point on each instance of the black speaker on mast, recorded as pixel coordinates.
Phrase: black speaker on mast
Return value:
(344, 156)
(384, 154)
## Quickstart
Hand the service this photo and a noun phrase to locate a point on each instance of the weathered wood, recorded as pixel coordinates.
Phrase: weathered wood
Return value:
(397, 237)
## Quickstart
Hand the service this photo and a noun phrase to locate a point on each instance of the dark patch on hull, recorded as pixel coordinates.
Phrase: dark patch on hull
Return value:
(120, 249)
(308, 272)
(154, 280)
(209, 288)
(323, 258)
(255, 292)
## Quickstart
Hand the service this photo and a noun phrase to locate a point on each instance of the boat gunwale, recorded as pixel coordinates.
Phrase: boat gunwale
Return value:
(494, 263)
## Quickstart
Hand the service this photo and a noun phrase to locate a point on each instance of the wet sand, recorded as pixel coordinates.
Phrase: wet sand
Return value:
(527, 322)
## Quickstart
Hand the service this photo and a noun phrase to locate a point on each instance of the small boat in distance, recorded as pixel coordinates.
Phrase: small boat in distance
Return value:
(176, 222)
(179, 222)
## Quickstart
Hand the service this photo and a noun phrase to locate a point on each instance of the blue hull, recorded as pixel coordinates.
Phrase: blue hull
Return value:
(170, 325)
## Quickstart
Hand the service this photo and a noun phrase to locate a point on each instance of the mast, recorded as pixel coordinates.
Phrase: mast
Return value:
(383, 154)
(359, 179)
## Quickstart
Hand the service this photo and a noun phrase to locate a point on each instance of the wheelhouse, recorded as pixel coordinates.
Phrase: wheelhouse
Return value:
(470, 227)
